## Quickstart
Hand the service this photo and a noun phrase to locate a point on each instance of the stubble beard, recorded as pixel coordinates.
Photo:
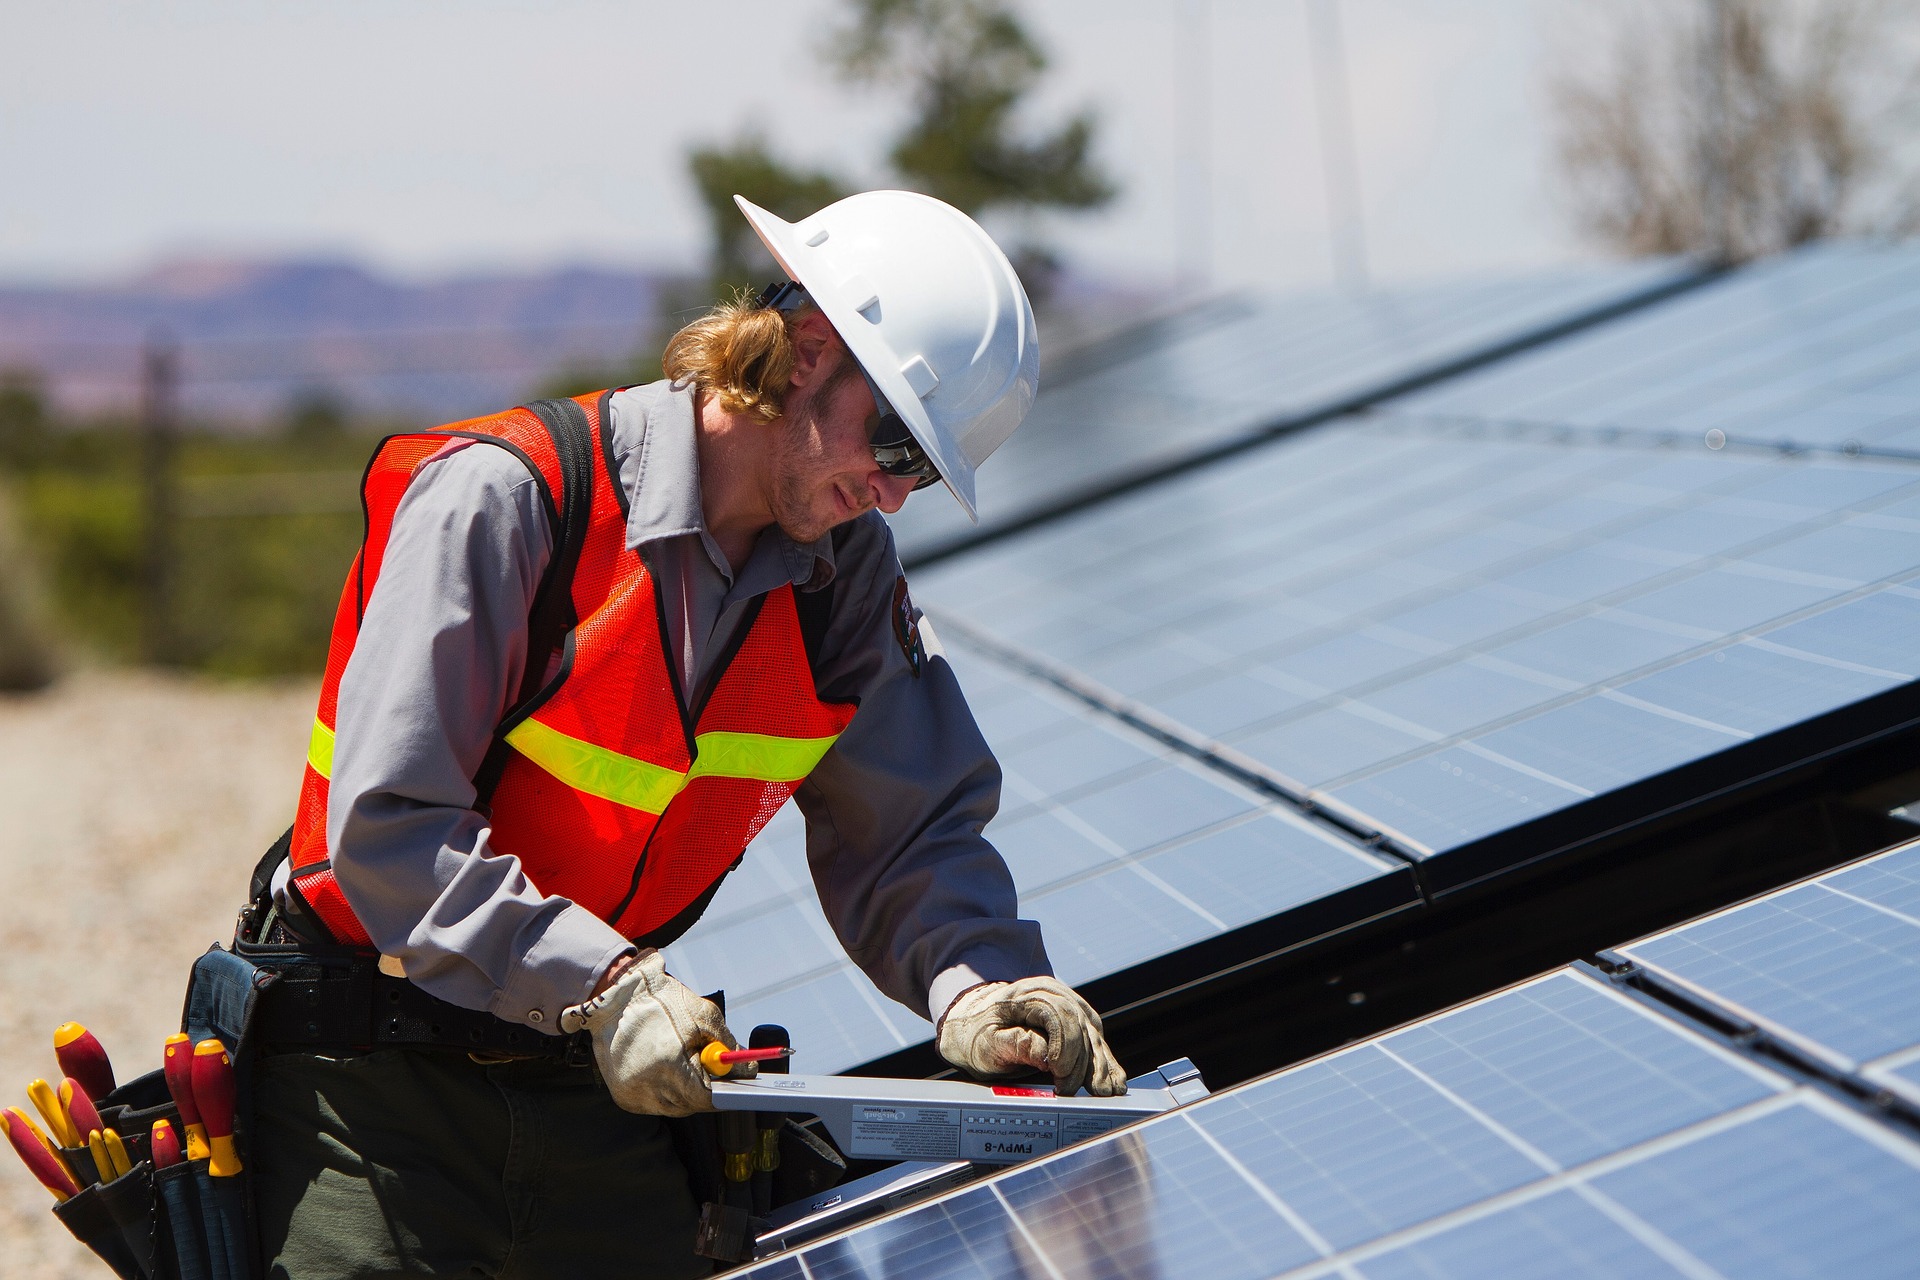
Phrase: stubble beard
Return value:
(798, 466)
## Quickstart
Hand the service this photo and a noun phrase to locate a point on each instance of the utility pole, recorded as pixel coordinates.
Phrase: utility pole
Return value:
(1193, 145)
(1716, 203)
(1339, 153)
(159, 382)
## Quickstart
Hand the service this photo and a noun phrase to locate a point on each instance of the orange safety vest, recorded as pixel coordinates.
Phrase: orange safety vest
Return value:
(612, 794)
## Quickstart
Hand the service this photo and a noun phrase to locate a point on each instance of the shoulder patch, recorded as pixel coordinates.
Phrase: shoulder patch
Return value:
(906, 626)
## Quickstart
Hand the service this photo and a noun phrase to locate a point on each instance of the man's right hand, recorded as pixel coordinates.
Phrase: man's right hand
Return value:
(648, 1030)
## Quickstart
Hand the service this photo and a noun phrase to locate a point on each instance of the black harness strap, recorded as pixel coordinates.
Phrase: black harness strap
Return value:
(551, 621)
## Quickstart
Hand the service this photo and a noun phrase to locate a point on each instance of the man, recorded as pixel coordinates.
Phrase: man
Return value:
(588, 649)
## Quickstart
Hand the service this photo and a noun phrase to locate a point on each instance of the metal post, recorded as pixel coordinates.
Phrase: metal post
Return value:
(1716, 204)
(1339, 153)
(159, 378)
(1193, 145)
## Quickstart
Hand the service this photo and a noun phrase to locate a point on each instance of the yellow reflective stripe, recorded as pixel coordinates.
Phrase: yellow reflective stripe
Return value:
(596, 770)
(637, 784)
(759, 756)
(320, 749)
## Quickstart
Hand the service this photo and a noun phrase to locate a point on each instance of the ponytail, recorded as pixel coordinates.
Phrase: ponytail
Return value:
(740, 353)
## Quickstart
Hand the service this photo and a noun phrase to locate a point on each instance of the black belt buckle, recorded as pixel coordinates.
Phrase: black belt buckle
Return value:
(579, 1050)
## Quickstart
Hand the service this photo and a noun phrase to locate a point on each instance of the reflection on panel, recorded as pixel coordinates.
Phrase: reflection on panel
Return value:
(1447, 633)
(1122, 850)
(1213, 374)
(1556, 1129)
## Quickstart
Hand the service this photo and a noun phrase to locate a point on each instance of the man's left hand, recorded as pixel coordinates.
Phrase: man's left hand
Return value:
(1000, 1027)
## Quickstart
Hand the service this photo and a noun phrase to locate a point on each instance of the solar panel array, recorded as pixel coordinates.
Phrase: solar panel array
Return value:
(1559, 1128)
(1447, 633)
(1439, 623)
(1813, 349)
(1176, 386)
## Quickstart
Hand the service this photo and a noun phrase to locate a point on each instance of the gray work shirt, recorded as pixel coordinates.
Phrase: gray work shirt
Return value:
(895, 811)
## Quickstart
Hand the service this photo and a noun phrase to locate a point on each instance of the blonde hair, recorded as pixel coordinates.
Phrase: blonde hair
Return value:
(740, 353)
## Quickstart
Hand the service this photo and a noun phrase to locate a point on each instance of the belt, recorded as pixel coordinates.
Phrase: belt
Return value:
(342, 1002)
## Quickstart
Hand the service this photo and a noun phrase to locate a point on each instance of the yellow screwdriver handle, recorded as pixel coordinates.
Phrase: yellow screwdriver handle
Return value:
(47, 1103)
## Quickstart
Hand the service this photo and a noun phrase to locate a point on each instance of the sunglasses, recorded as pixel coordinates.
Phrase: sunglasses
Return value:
(895, 451)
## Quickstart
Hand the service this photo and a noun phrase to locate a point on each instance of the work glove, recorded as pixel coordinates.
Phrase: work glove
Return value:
(648, 1030)
(997, 1028)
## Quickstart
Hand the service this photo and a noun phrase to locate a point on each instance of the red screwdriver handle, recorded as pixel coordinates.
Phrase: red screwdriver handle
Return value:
(213, 1094)
(179, 1069)
(39, 1158)
(73, 1096)
(82, 1058)
(165, 1146)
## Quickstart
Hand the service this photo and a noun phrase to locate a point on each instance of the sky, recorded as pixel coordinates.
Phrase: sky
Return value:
(427, 137)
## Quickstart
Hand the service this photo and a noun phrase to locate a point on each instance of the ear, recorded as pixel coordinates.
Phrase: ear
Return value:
(813, 335)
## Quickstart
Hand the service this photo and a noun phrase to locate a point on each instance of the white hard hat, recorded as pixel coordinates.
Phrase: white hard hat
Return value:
(932, 310)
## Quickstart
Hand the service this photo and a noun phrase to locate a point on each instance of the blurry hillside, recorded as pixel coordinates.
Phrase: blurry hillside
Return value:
(257, 337)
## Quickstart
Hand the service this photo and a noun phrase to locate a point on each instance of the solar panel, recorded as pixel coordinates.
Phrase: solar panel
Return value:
(1123, 850)
(1833, 964)
(1181, 384)
(1448, 634)
(1814, 349)
(1554, 1129)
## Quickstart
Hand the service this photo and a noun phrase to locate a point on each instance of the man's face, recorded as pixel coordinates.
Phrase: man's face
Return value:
(823, 468)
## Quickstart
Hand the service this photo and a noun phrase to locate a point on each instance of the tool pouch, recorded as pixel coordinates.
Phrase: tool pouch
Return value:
(204, 1224)
(115, 1220)
(208, 1221)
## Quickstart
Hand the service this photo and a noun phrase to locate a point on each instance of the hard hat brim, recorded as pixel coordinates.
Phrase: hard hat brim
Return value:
(802, 264)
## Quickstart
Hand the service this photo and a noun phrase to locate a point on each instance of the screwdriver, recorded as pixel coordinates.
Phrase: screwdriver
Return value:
(40, 1158)
(719, 1060)
(179, 1071)
(47, 1102)
(117, 1152)
(81, 1112)
(102, 1160)
(213, 1095)
(82, 1058)
(166, 1147)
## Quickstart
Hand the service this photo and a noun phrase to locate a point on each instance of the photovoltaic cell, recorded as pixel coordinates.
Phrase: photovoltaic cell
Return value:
(1789, 1192)
(1834, 964)
(1842, 1205)
(1120, 849)
(1183, 383)
(1555, 1129)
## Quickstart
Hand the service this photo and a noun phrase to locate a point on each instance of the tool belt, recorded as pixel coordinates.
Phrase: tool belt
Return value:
(338, 1002)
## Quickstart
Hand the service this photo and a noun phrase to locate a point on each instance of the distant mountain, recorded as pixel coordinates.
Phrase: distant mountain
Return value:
(255, 337)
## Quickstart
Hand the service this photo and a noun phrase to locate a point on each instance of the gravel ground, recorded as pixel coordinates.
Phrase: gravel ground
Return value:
(136, 805)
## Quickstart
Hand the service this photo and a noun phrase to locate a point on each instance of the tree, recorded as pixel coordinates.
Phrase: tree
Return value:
(967, 64)
(746, 166)
(1736, 128)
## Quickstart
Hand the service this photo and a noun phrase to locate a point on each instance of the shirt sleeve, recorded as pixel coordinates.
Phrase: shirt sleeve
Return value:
(438, 658)
(896, 811)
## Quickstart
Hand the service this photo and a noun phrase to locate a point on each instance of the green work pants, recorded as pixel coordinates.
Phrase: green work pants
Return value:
(409, 1163)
